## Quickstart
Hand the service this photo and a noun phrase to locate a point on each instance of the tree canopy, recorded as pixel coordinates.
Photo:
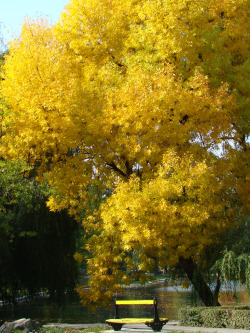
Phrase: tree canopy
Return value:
(148, 98)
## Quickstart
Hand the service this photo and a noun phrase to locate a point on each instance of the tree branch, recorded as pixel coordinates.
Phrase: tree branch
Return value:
(115, 168)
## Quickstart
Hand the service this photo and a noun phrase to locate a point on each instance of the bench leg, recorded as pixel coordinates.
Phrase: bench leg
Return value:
(116, 326)
(156, 325)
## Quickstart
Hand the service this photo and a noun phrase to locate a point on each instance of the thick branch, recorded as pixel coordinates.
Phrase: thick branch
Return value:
(128, 169)
(115, 168)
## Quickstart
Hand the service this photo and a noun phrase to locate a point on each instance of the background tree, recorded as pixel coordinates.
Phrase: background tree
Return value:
(141, 98)
(37, 246)
(233, 263)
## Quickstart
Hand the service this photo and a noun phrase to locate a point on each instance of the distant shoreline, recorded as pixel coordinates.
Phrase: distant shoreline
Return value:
(146, 285)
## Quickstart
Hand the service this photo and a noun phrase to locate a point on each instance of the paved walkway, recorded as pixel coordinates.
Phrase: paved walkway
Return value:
(141, 328)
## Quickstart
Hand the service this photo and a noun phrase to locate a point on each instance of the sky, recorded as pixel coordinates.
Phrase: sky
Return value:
(13, 13)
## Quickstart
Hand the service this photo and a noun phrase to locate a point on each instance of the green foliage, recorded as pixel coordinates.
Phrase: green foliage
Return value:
(233, 262)
(43, 249)
(11, 185)
(229, 317)
(215, 318)
(36, 245)
(240, 319)
(190, 317)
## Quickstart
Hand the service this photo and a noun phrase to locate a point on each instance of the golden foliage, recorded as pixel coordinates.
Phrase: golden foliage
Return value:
(137, 96)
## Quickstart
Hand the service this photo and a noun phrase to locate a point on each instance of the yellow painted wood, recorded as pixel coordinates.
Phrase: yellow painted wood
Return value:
(133, 320)
(130, 320)
(130, 302)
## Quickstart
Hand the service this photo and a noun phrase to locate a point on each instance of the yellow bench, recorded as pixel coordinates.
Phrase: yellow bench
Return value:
(156, 323)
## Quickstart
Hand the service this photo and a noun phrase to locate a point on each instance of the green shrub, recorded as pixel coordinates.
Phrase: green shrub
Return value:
(190, 317)
(226, 316)
(215, 317)
(240, 319)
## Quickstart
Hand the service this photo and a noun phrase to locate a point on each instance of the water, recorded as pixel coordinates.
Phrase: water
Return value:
(170, 299)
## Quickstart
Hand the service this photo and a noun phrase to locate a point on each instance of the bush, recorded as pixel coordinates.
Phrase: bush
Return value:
(190, 317)
(229, 317)
(215, 317)
(240, 319)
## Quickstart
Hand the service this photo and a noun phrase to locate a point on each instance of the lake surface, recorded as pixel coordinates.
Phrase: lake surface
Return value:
(170, 300)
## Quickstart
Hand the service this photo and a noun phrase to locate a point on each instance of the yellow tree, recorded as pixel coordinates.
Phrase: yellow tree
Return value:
(148, 98)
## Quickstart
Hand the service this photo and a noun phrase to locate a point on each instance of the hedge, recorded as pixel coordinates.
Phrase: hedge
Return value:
(223, 316)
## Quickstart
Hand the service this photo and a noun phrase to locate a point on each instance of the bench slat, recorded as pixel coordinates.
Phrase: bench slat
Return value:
(130, 302)
(133, 320)
(130, 320)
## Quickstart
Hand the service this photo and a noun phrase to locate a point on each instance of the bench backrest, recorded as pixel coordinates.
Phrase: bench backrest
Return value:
(137, 302)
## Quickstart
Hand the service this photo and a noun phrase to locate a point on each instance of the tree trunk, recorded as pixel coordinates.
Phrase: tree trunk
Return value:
(207, 296)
